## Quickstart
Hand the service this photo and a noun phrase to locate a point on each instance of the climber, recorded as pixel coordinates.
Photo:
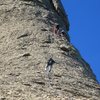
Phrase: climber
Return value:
(49, 65)
(56, 29)
(64, 35)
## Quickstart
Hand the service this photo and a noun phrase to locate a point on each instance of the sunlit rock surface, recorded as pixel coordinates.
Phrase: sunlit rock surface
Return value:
(27, 42)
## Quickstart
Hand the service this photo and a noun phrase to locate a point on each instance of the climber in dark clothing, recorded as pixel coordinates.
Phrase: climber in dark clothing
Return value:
(49, 65)
(63, 33)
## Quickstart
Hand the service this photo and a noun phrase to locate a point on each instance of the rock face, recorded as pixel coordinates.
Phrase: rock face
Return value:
(28, 40)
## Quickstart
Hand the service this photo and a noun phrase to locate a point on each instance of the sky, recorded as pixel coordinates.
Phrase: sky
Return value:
(84, 18)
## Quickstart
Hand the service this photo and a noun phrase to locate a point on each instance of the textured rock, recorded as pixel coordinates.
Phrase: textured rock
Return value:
(26, 44)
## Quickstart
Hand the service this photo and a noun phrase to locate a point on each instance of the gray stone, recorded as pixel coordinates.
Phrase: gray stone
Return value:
(26, 43)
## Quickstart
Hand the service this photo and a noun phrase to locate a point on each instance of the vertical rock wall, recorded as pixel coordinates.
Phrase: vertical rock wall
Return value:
(27, 42)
